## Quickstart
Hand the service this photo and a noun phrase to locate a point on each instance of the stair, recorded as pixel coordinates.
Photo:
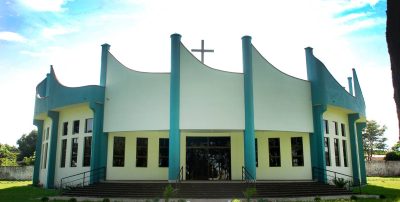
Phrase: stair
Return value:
(206, 190)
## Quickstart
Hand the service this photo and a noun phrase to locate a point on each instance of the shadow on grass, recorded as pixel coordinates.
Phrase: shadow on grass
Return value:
(25, 193)
(388, 194)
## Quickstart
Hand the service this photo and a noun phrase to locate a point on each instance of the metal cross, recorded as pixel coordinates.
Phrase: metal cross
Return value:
(202, 51)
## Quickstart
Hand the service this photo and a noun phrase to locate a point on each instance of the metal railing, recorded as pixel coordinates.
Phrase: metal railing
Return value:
(179, 179)
(333, 176)
(83, 179)
(247, 177)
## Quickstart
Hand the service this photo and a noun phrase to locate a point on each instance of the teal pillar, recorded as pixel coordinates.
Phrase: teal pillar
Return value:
(103, 70)
(54, 116)
(317, 145)
(363, 175)
(99, 143)
(38, 151)
(353, 146)
(174, 132)
(249, 141)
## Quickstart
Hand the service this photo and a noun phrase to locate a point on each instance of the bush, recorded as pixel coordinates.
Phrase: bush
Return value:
(44, 199)
(339, 182)
(249, 193)
(392, 156)
(168, 192)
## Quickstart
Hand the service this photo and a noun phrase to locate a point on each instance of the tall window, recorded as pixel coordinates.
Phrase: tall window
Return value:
(47, 133)
(88, 125)
(327, 152)
(336, 128)
(163, 152)
(65, 128)
(274, 152)
(42, 157)
(141, 152)
(326, 124)
(87, 150)
(46, 147)
(63, 152)
(336, 148)
(256, 146)
(344, 148)
(343, 127)
(75, 129)
(297, 151)
(74, 152)
(119, 152)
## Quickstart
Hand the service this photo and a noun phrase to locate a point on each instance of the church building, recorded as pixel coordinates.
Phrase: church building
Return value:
(200, 123)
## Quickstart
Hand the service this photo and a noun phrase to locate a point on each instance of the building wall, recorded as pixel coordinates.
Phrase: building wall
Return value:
(286, 171)
(130, 171)
(281, 102)
(69, 114)
(340, 116)
(135, 100)
(43, 170)
(237, 152)
(209, 98)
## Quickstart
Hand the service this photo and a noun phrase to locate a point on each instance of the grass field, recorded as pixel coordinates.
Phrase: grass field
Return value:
(20, 191)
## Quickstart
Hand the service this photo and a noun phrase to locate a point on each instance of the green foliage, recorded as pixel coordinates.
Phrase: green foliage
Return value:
(44, 198)
(168, 192)
(249, 193)
(106, 200)
(353, 197)
(317, 198)
(8, 155)
(373, 139)
(392, 156)
(396, 147)
(27, 145)
(339, 182)
(72, 200)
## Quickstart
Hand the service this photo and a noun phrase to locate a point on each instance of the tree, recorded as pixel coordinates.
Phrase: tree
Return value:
(396, 147)
(8, 155)
(373, 139)
(393, 42)
(27, 145)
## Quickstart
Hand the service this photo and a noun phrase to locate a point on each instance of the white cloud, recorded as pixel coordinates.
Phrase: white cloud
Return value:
(12, 36)
(51, 32)
(44, 5)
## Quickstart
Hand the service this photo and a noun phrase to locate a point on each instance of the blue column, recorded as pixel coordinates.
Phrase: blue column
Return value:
(363, 175)
(52, 148)
(353, 146)
(317, 144)
(249, 142)
(103, 71)
(38, 151)
(99, 142)
(174, 132)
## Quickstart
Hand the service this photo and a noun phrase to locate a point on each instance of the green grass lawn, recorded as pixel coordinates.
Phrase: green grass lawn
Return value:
(386, 186)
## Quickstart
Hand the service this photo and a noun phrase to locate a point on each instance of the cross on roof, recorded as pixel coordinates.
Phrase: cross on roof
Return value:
(202, 51)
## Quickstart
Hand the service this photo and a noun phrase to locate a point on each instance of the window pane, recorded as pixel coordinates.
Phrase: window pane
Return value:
(141, 152)
(336, 128)
(336, 148)
(256, 147)
(63, 152)
(327, 152)
(65, 128)
(163, 152)
(47, 133)
(119, 152)
(87, 151)
(89, 125)
(343, 130)
(74, 152)
(45, 155)
(326, 124)
(274, 152)
(344, 146)
(297, 151)
(75, 129)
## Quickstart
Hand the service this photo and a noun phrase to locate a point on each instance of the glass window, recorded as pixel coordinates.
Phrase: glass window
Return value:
(336, 128)
(87, 150)
(88, 125)
(65, 128)
(46, 147)
(42, 157)
(336, 148)
(163, 152)
(141, 152)
(119, 152)
(76, 127)
(327, 152)
(47, 133)
(256, 146)
(326, 124)
(274, 152)
(343, 129)
(63, 152)
(344, 147)
(297, 151)
(74, 152)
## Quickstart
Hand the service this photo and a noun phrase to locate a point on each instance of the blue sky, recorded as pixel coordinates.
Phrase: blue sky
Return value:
(68, 33)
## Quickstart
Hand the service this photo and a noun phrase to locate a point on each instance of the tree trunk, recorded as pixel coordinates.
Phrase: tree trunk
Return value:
(393, 41)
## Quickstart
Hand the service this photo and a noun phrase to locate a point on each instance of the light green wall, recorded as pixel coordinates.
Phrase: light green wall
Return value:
(286, 171)
(237, 153)
(130, 171)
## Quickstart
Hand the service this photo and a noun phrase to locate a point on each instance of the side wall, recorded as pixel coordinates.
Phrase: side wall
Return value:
(43, 169)
(286, 171)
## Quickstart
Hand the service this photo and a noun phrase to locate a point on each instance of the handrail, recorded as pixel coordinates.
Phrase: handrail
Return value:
(247, 177)
(97, 172)
(178, 179)
(355, 180)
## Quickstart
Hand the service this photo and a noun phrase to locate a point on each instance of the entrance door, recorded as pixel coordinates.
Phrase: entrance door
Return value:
(208, 158)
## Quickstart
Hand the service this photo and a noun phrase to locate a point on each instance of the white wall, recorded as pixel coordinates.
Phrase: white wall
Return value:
(281, 102)
(209, 98)
(43, 171)
(135, 100)
(69, 114)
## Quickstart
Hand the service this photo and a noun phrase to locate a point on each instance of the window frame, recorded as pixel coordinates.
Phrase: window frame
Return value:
(161, 156)
(63, 157)
(88, 130)
(336, 148)
(87, 151)
(293, 149)
(65, 129)
(344, 150)
(120, 149)
(274, 160)
(75, 127)
(140, 157)
(74, 152)
(327, 151)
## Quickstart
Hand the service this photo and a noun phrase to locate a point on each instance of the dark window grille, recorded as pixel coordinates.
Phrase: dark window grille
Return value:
(163, 152)
(74, 152)
(141, 152)
(274, 152)
(87, 151)
(119, 152)
(297, 151)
